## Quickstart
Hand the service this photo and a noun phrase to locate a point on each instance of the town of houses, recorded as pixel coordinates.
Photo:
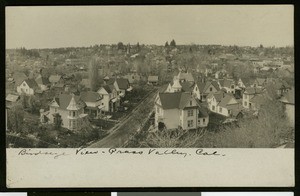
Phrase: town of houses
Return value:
(184, 97)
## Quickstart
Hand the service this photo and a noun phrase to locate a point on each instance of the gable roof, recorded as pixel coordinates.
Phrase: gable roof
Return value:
(226, 83)
(200, 86)
(123, 83)
(185, 76)
(246, 81)
(42, 80)
(12, 98)
(207, 85)
(187, 86)
(63, 100)
(108, 88)
(19, 77)
(176, 100)
(31, 83)
(225, 100)
(90, 96)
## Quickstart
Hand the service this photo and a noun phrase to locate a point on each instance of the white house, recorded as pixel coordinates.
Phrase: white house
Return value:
(179, 109)
(121, 85)
(28, 87)
(202, 89)
(67, 109)
(93, 102)
(224, 104)
(110, 99)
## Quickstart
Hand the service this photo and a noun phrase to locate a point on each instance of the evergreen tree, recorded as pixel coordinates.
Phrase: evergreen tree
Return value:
(173, 43)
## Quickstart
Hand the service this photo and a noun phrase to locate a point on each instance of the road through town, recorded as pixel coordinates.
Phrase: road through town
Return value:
(123, 130)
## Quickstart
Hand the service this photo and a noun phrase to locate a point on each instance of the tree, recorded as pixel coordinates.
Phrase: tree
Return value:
(57, 122)
(93, 74)
(138, 47)
(15, 119)
(264, 131)
(173, 43)
(167, 44)
(173, 138)
(120, 46)
(33, 104)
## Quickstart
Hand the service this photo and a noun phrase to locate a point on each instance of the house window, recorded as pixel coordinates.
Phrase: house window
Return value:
(190, 113)
(196, 88)
(220, 109)
(245, 103)
(190, 123)
(158, 110)
(203, 120)
(191, 103)
(24, 84)
(74, 113)
(229, 111)
(210, 89)
(102, 103)
(232, 86)
(213, 108)
(55, 110)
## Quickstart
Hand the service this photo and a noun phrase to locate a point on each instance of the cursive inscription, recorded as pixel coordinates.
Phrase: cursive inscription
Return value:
(167, 152)
(202, 152)
(31, 152)
(117, 151)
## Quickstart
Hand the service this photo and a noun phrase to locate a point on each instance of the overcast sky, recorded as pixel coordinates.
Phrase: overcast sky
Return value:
(51, 27)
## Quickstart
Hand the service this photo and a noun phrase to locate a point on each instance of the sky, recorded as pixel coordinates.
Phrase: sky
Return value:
(77, 26)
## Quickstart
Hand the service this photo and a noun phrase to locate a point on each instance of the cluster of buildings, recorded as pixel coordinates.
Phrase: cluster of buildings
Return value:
(187, 102)
(66, 107)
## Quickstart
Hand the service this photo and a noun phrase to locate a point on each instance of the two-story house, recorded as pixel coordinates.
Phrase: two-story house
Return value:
(110, 100)
(179, 109)
(93, 102)
(202, 89)
(250, 97)
(28, 87)
(121, 85)
(65, 109)
(223, 104)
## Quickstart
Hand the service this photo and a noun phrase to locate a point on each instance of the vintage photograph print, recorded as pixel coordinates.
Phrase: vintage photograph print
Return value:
(111, 88)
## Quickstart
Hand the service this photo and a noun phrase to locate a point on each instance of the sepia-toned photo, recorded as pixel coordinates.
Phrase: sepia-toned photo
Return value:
(188, 89)
(150, 77)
